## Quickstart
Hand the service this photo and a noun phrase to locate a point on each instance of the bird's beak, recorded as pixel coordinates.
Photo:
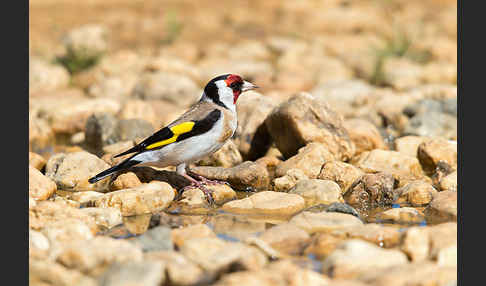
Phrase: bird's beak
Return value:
(247, 86)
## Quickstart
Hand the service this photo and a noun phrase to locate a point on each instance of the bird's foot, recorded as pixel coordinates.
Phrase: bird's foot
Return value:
(199, 185)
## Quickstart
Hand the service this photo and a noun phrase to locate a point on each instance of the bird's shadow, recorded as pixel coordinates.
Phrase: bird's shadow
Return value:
(148, 174)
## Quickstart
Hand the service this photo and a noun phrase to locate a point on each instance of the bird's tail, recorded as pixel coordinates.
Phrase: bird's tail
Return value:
(123, 165)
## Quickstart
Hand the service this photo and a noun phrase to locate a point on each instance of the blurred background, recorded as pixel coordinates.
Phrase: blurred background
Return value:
(164, 52)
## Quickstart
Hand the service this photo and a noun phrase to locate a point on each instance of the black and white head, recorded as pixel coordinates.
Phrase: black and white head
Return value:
(224, 90)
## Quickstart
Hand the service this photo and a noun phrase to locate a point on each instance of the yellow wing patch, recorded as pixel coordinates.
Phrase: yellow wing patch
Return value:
(177, 130)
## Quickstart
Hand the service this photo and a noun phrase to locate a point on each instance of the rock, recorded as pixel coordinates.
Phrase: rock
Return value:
(322, 245)
(416, 243)
(408, 145)
(144, 199)
(99, 130)
(179, 269)
(420, 274)
(449, 182)
(364, 135)
(343, 174)
(40, 186)
(228, 156)
(405, 215)
(442, 237)
(427, 243)
(403, 168)
(45, 77)
(240, 177)
(87, 41)
(371, 190)
(283, 272)
(380, 235)
(442, 208)
(434, 124)
(342, 208)
(41, 134)
(173, 88)
(71, 229)
(93, 256)
(71, 171)
(38, 245)
(137, 224)
(448, 256)
(126, 180)
(104, 129)
(85, 197)
(315, 191)
(288, 181)
(148, 273)
(36, 161)
(155, 239)
(416, 193)
(402, 73)
(251, 135)
(67, 111)
(181, 235)
(286, 238)
(104, 217)
(132, 129)
(217, 256)
(267, 203)
(309, 159)
(352, 259)
(323, 222)
(47, 213)
(45, 272)
(232, 227)
(193, 199)
(432, 151)
(304, 119)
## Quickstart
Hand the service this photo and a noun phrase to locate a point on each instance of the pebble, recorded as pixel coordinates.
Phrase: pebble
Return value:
(144, 199)
(267, 203)
(442, 208)
(323, 222)
(351, 259)
(309, 160)
(40, 186)
(403, 215)
(71, 171)
(315, 191)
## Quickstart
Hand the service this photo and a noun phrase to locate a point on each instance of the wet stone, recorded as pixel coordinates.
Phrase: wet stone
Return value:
(403, 215)
(148, 273)
(323, 222)
(371, 190)
(155, 239)
(442, 208)
(267, 203)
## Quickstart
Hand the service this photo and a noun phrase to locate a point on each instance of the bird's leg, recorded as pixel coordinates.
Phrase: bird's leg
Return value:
(181, 170)
(206, 180)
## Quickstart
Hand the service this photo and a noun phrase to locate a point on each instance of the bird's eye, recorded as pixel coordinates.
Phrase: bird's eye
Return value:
(235, 85)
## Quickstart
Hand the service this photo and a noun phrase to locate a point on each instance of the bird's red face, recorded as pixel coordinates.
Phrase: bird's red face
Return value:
(235, 82)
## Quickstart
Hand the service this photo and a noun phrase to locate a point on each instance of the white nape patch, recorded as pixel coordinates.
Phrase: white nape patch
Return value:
(226, 95)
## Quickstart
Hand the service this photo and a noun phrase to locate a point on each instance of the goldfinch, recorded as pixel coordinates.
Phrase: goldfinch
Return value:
(199, 132)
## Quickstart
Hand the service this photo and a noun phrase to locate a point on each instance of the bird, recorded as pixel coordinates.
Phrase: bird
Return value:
(199, 132)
